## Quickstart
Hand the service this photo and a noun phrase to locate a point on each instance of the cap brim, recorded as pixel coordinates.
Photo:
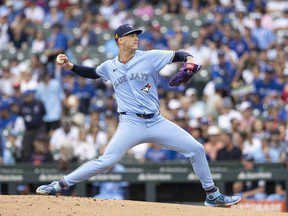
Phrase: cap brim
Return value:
(137, 31)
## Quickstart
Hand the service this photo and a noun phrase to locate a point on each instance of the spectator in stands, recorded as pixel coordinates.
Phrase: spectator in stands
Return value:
(27, 82)
(268, 84)
(6, 118)
(172, 7)
(227, 113)
(41, 152)
(85, 149)
(69, 20)
(279, 195)
(50, 92)
(54, 15)
(38, 45)
(250, 40)
(18, 36)
(251, 190)
(87, 36)
(37, 67)
(57, 42)
(258, 129)
(229, 151)
(32, 111)
(176, 36)
(158, 39)
(197, 107)
(214, 144)
(265, 37)
(34, 13)
(112, 190)
(4, 26)
(23, 189)
(98, 136)
(63, 141)
(8, 148)
(84, 92)
(156, 154)
(6, 82)
(144, 9)
(224, 70)
(106, 9)
(251, 144)
(275, 147)
(203, 52)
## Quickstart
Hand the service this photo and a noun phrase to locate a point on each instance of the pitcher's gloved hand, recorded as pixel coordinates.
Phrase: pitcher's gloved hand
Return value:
(185, 73)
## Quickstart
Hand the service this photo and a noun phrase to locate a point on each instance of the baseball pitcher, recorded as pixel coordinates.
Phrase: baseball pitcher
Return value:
(134, 75)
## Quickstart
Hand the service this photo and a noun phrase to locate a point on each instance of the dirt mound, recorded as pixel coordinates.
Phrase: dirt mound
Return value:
(49, 205)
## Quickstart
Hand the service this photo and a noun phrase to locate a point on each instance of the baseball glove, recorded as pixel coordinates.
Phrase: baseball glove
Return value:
(185, 73)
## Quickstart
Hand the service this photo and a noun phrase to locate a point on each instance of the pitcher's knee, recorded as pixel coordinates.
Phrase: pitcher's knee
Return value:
(200, 149)
(104, 163)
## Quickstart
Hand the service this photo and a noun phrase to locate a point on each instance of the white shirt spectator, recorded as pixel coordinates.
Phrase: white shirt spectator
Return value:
(35, 14)
(38, 46)
(100, 140)
(106, 11)
(276, 6)
(224, 120)
(118, 19)
(6, 86)
(251, 147)
(280, 22)
(203, 54)
(139, 151)
(31, 85)
(61, 139)
(85, 150)
(4, 37)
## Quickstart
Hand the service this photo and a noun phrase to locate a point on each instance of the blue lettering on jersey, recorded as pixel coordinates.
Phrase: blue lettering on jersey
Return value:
(130, 80)
(134, 76)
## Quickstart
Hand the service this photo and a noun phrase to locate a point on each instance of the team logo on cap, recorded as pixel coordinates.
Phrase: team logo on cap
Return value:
(116, 36)
(146, 88)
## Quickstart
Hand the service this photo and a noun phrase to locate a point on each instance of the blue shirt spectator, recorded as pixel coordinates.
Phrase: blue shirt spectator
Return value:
(279, 194)
(265, 37)
(50, 92)
(6, 119)
(264, 86)
(156, 154)
(238, 44)
(112, 190)
(58, 42)
(224, 70)
(84, 92)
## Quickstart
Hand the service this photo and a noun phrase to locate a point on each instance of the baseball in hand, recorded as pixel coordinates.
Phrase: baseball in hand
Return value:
(59, 60)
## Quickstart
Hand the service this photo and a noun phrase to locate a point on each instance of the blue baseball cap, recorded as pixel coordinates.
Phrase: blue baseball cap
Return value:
(247, 157)
(28, 92)
(124, 30)
(4, 106)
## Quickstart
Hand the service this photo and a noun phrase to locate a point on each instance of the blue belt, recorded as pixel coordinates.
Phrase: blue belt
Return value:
(143, 116)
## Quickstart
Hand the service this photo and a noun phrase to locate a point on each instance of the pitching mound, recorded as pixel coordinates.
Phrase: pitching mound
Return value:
(49, 205)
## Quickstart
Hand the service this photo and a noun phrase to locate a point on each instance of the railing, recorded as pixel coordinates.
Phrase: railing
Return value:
(148, 174)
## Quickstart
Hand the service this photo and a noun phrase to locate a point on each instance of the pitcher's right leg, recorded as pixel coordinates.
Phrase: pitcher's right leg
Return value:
(120, 143)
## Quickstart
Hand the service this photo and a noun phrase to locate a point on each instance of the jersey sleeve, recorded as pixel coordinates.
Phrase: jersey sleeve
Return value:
(102, 71)
(160, 58)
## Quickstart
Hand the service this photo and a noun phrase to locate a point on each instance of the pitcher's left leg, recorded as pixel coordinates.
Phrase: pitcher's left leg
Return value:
(169, 135)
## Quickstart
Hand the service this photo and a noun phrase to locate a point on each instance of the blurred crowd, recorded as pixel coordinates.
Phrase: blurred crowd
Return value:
(49, 114)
